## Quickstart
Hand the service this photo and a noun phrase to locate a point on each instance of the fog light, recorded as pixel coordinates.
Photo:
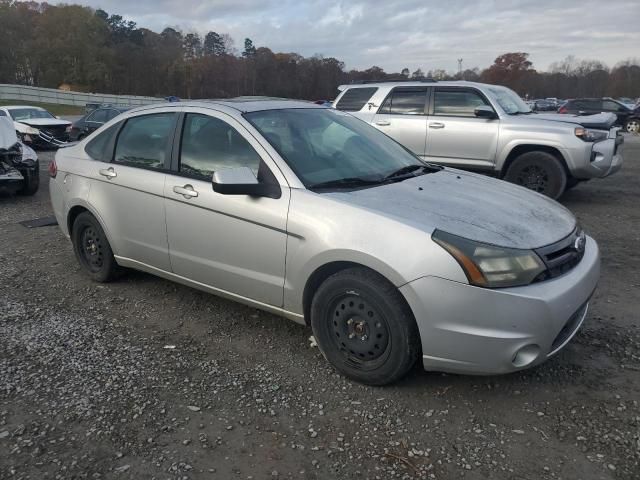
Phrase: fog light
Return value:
(526, 355)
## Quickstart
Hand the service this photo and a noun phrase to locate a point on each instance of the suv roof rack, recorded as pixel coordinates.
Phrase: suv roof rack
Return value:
(388, 80)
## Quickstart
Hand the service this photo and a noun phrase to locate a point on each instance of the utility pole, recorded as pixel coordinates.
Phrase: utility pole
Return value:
(460, 69)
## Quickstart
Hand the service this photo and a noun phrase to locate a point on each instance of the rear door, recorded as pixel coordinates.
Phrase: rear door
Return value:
(95, 121)
(403, 116)
(128, 185)
(621, 112)
(455, 135)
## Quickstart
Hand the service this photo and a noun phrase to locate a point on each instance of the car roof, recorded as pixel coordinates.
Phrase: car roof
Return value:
(417, 83)
(240, 104)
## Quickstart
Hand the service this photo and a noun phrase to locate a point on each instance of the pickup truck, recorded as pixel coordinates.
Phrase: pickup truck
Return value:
(489, 129)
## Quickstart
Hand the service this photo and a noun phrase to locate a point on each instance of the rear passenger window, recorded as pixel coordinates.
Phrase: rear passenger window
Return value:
(355, 98)
(405, 102)
(210, 144)
(457, 103)
(99, 116)
(100, 147)
(143, 141)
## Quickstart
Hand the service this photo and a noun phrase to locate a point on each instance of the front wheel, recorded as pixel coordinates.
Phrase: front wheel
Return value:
(540, 172)
(31, 181)
(92, 249)
(364, 327)
(633, 125)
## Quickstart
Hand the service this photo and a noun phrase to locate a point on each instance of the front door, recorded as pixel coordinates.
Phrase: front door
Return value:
(403, 117)
(234, 243)
(455, 135)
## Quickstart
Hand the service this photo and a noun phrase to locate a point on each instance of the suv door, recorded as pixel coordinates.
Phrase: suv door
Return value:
(233, 243)
(456, 136)
(128, 184)
(403, 116)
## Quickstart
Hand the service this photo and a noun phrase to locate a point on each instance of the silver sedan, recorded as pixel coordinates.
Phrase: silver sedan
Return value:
(314, 215)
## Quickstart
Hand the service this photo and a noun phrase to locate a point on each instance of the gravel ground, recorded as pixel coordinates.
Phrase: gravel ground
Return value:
(147, 379)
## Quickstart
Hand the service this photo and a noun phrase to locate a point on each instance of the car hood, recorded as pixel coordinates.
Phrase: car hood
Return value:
(44, 122)
(599, 120)
(8, 137)
(469, 205)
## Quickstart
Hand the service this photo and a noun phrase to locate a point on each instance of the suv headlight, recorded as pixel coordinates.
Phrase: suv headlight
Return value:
(590, 135)
(490, 266)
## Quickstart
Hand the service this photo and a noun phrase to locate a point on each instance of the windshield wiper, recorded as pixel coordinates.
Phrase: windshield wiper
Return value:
(348, 182)
(406, 170)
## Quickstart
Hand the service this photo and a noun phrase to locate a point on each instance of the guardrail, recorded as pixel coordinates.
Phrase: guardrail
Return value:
(61, 97)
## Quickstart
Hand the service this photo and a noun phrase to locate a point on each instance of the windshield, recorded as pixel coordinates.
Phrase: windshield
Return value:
(19, 114)
(509, 100)
(326, 145)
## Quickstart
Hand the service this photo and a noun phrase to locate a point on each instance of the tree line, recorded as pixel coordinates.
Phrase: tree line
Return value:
(91, 50)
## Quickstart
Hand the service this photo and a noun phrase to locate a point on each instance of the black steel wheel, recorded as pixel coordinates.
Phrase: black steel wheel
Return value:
(92, 249)
(540, 172)
(364, 327)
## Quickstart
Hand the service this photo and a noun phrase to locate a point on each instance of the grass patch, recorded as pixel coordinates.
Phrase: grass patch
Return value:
(50, 107)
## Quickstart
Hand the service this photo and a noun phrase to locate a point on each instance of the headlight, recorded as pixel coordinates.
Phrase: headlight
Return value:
(590, 135)
(27, 130)
(490, 266)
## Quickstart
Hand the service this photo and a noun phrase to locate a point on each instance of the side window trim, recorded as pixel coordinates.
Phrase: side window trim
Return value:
(168, 148)
(389, 96)
(432, 103)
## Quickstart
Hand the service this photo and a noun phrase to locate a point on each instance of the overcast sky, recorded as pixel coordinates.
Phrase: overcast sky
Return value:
(394, 34)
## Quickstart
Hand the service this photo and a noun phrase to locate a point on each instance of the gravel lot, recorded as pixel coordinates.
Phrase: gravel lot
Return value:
(147, 379)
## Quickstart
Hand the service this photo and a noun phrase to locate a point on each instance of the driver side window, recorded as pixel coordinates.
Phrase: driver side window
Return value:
(209, 144)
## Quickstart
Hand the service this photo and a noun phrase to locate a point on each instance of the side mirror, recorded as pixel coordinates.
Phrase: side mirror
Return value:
(242, 181)
(485, 111)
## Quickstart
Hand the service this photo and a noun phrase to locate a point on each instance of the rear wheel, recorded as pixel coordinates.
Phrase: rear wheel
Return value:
(31, 181)
(364, 327)
(92, 249)
(633, 125)
(540, 172)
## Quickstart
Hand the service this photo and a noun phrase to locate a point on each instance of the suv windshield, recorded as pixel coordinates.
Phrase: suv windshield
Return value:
(19, 114)
(509, 100)
(329, 148)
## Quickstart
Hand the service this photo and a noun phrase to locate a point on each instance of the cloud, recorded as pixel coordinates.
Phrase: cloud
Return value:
(394, 34)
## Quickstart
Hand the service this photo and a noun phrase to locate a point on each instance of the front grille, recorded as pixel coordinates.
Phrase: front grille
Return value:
(569, 329)
(59, 132)
(562, 256)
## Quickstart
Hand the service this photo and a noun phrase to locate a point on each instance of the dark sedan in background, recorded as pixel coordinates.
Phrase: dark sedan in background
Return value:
(626, 117)
(93, 120)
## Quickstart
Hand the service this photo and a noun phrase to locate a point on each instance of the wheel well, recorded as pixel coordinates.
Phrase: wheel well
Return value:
(73, 214)
(316, 279)
(520, 149)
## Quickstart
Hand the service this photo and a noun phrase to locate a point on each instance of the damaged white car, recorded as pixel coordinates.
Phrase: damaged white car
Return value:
(19, 166)
(37, 127)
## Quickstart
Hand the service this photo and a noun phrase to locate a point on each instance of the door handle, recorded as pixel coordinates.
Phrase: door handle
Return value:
(187, 191)
(108, 172)
(436, 125)
(383, 123)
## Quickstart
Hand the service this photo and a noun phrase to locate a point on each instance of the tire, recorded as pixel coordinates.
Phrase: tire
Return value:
(364, 327)
(92, 249)
(633, 125)
(572, 182)
(31, 181)
(540, 172)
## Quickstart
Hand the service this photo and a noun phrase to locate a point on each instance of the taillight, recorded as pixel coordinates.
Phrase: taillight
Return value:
(53, 168)
(563, 110)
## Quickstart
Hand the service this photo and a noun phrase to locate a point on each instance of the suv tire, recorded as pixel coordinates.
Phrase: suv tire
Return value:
(92, 249)
(364, 327)
(540, 172)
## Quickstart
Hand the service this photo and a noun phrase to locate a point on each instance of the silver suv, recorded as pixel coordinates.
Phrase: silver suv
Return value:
(310, 213)
(489, 129)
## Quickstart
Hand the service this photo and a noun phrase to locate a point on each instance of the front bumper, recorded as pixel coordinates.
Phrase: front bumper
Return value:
(473, 330)
(44, 140)
(605, 158)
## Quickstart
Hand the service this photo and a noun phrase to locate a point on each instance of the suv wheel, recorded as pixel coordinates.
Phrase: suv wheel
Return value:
(538, 171)
(633, 125)
(364, 327)
(92, 249)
